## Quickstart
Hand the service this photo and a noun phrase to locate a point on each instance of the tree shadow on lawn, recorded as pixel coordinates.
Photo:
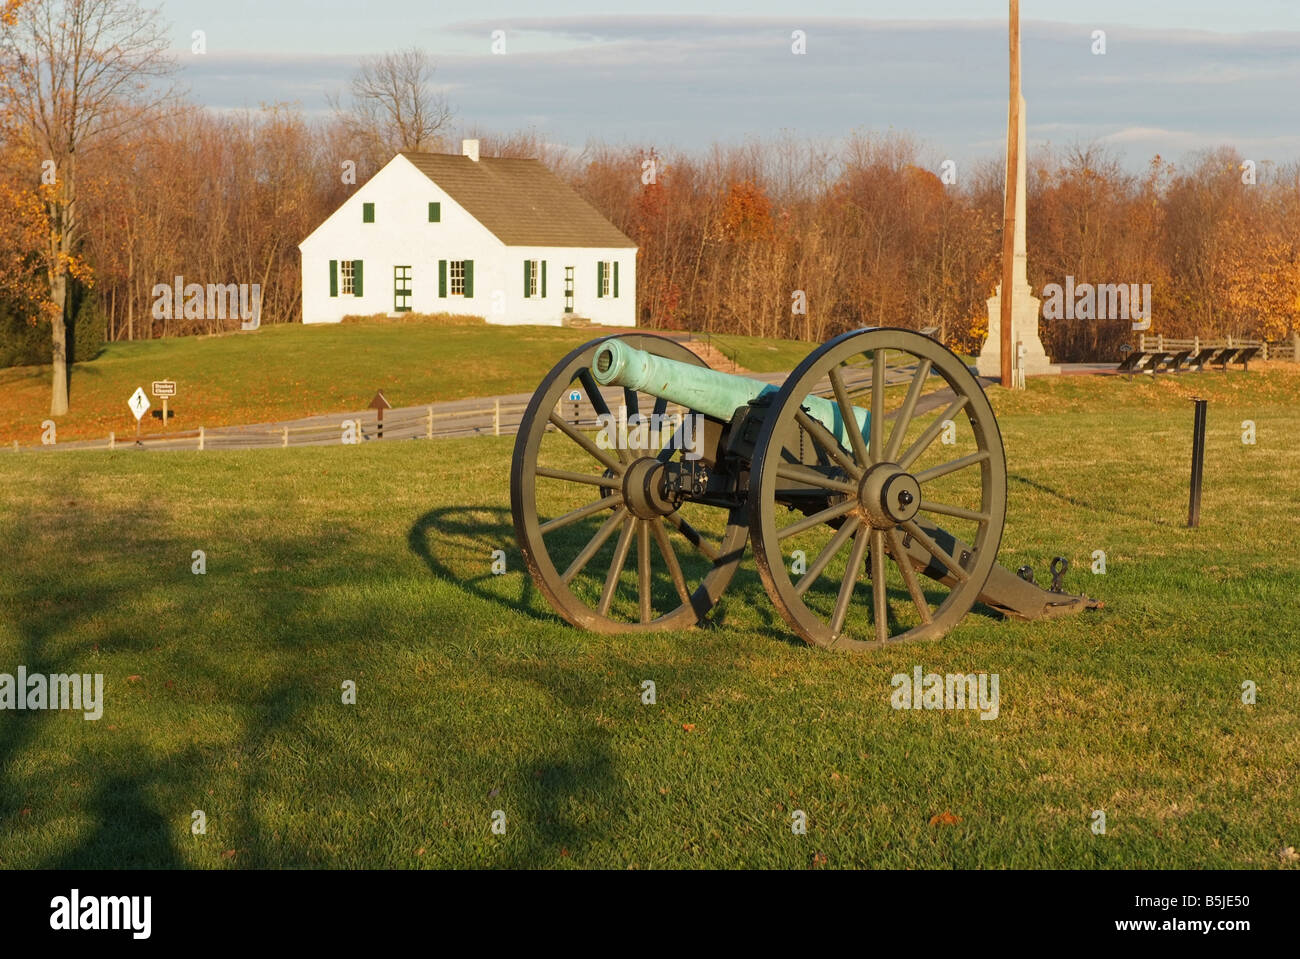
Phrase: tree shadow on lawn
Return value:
(121, 773)
(128, 829)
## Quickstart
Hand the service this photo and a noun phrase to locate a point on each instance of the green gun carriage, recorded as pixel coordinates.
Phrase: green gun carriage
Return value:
(873, 483)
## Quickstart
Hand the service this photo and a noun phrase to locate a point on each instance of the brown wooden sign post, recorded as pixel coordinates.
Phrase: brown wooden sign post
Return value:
(379, 404)
(165, 390)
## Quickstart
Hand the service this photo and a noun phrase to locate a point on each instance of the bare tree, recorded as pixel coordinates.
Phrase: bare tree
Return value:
(72, 67)
(394, 105)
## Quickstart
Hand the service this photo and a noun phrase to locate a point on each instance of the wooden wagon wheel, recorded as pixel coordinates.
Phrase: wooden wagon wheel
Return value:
(883, 493)
(579, 508)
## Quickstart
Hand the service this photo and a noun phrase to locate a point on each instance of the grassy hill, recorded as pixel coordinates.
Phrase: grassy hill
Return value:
(372, 564)
(284, 372)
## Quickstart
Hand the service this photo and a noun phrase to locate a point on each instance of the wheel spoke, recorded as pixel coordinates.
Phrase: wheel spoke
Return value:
(816, 519)
(850, 580)
(877, 405)
(670, 558)
(926, 438)
(614, 499)
(909, 575)
(957, 511)
(827, 554)
(643, 567)
(823, 438)
(934, 472)
(850, 419)
(660, 407)
(597, 541)
(632, 402)
(693, 537)
(905, 412)
(935, 550)
(570, 477)
(585, 442)
(593, 392)
(804, 474)
(616, 567)
(879, 602)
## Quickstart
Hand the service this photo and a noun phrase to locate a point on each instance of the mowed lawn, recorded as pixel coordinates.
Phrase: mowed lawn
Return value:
(372, 564)
(291, 371)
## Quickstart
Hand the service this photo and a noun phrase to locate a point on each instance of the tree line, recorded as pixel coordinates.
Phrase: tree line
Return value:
(112, 183)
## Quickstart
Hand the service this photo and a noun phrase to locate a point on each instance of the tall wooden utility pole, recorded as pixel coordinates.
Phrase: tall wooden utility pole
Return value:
(1009, 204)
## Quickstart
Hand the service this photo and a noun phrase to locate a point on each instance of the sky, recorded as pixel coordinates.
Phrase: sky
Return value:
(1177, 76)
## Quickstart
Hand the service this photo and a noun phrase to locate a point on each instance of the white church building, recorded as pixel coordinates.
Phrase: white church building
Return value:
(500, 238)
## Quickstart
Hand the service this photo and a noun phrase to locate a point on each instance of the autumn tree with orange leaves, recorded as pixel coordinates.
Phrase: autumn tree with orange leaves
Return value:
(73, 72)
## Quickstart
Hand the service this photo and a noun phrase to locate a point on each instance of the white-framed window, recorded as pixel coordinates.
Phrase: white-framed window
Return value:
(347, 278)
(606, 272)
(531, 277)
(456, 272)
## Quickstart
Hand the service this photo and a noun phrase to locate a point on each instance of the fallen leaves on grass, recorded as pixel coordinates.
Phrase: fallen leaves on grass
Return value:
(945, 818)
(1288, 854)
(819, 859)
(689, 727)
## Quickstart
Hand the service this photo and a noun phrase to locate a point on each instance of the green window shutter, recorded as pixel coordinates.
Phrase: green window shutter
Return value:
(528, 275)
(543, 278)
(334, 277)
(442, 279)
(600, 279)
(469, 278)
(616, 277)
(356, 277)
(435, 212)
(367, 213)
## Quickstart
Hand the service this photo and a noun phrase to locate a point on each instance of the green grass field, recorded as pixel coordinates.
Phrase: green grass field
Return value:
(372, 564)
(286, 372)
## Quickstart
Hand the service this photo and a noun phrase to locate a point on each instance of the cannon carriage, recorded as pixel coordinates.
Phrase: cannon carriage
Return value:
(872, 482)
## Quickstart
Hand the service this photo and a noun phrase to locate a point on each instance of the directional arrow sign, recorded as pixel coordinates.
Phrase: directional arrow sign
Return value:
(139, 403)
(379, 404)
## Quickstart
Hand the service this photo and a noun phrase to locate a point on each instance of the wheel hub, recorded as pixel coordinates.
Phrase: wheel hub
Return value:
(643, 489)
(889, 495)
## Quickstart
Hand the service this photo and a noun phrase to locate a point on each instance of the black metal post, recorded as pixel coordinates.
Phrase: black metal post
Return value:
(1198, 463)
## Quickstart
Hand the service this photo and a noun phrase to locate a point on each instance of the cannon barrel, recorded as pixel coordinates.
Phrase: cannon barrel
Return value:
(701, 389)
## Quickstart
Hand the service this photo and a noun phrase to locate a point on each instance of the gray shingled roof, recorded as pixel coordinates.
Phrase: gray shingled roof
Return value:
(520, 201)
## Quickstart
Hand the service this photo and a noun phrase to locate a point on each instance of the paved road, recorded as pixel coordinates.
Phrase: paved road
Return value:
(472, 417)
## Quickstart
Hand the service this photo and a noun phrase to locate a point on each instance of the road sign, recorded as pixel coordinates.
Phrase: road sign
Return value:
(139, 403)
(164, 388)
(575, 397)
(379, 404)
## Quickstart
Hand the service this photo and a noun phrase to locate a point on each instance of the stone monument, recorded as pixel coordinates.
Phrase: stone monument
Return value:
(1024, 305)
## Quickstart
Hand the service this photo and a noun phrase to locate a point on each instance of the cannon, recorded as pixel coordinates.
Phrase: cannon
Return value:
(842, 475)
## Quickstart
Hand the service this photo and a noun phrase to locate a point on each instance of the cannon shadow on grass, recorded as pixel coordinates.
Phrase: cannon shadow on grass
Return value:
(1080, 504)
(477, 530)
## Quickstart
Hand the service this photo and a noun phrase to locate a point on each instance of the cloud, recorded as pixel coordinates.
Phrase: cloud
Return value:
(692, 80)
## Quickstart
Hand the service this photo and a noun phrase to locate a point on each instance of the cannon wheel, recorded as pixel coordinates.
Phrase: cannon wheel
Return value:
(556, 569)
(881, 503)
